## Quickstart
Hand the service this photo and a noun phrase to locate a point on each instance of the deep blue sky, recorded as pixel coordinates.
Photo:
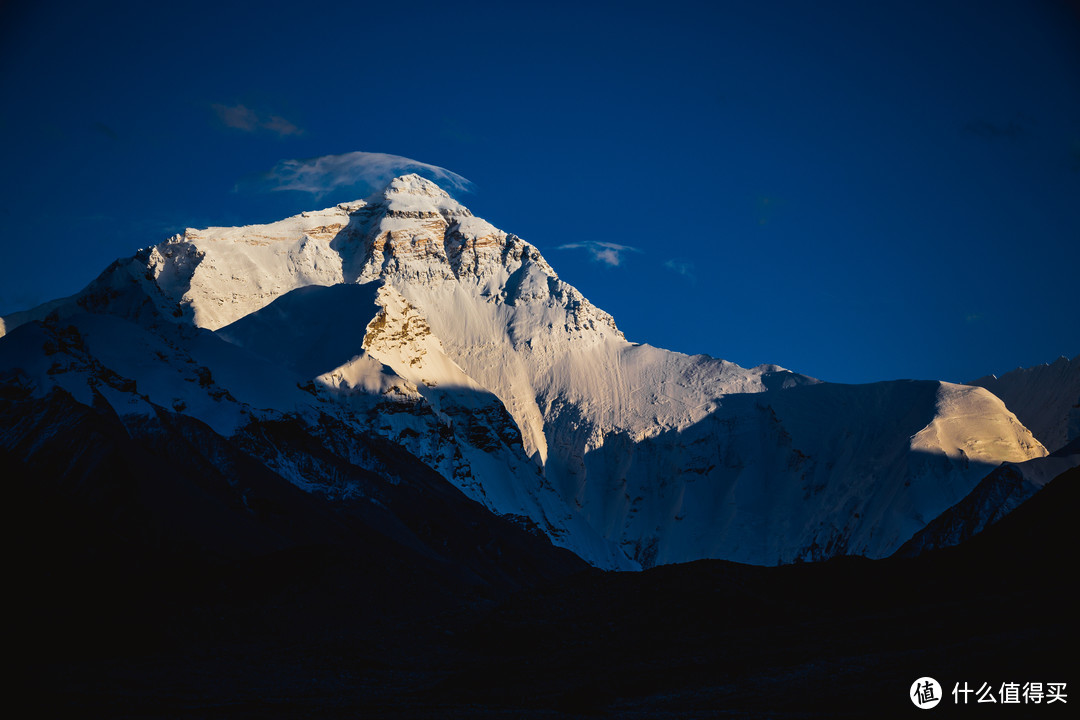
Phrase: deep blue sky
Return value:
(857, 191)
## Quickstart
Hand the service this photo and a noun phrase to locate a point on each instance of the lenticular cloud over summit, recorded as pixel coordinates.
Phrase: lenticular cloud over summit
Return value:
(321, 175)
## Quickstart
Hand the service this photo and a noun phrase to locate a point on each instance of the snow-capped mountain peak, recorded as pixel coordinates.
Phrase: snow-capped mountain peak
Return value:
(406, 316)
(413, 193)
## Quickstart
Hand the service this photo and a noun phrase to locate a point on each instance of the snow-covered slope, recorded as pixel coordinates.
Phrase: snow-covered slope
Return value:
(1046, 398)
(997, 495)
(408, 315)
(807, 472)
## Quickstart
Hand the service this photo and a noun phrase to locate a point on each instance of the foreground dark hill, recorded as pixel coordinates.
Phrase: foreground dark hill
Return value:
(845, 637)
(154, 587)
(151, 533)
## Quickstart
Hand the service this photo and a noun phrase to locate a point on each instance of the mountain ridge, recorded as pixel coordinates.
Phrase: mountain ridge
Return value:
(461, 344)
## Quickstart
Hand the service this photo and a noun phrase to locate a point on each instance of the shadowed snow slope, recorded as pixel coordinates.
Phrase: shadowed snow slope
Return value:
(407, 316)
(999, 493)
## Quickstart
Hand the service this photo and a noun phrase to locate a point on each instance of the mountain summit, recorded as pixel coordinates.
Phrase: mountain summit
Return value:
(407, 318)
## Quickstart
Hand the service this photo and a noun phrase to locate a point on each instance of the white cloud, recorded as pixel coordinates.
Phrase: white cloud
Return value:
(320, 175)
(605, 252)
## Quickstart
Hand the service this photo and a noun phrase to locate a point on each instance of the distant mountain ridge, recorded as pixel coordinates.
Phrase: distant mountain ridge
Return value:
(406, 319)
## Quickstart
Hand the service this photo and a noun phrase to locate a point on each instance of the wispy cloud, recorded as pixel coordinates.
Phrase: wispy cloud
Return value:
(604, 252)
(686, 269)
(241, 117)
(320, 175)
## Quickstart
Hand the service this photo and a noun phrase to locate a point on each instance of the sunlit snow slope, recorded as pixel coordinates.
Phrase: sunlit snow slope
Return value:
(1046, 398)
